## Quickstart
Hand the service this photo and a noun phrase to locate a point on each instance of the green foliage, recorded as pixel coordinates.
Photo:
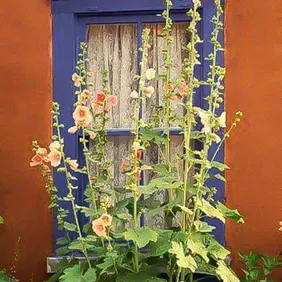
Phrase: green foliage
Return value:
(259, 267)
(125, 251)
(1, 220)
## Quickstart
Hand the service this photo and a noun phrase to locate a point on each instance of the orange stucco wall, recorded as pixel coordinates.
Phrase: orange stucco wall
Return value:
(254, 85)
(25, 102)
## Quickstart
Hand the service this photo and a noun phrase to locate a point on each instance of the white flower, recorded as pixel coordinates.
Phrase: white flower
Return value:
(136, 146)
(205, 120)
(222, 120)
(148, 91)
(215, 138)
(134, 94)
(197, 2)
(150, 74)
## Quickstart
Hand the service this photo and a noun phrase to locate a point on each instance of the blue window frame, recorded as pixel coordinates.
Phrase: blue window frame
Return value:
(70, 21)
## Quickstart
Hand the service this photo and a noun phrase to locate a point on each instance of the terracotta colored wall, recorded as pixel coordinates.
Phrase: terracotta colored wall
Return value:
(25, 101)
(254, 153)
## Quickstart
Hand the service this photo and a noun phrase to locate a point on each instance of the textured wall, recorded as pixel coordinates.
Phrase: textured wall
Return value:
(25, 101)
(254, 85)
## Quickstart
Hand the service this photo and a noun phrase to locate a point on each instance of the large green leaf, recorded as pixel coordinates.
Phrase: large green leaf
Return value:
(209, 210)
(225, 273)
(73, 274)
(3, 276)
(90, 275)
(216, 250)
(203, 227)
(162, 245)
(1, 220)
(141, 236)
(228, 213)
(197, 246)
(182, 260)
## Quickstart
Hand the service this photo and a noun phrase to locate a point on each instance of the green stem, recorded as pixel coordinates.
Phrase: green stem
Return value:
(69, 185)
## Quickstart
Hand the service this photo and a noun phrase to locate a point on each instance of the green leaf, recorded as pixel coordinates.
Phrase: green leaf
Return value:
(185, 209)
(63, 241)
(162, 245)
(3, 276)
(203, 227)
(228, 213)
(90, 275)
(182, 260)
(62, 251)
(69, 226)
(106, 266)
(219, 166)
(79, 245)
(220, 177)
(209, 210)
(225, 273)
(216, 250)
(1, 220)
(141, 236)
(71, 274)
(196, 244)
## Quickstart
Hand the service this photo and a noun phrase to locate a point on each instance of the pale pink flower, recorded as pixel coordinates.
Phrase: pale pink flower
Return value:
(85, 95)
(221, 120)
(82, 116)
(124, 166)
(174, 97)
(98, 226)
(73, 164)
(72, 129)
(107, 219)
(215, 138)
(55, 145)
(150, 74)
(149, 91)
(55, 157)
(76, 79)
(112, 101)
(134, 95)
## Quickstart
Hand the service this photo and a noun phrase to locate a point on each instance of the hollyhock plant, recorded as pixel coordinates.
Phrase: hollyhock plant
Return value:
(122, 197)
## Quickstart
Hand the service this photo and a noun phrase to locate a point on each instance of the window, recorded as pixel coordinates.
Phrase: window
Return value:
(113, 31)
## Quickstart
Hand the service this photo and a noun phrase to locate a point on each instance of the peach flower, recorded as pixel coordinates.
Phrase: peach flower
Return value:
(101, 225)
(124, 166)
(76, 79)
(174, 97)
(99, 228)
(41, 155)
(107, 219)
(92, 134)
(36, 160)
(55, 145)
(55, 158)
(82, 116)
(72, 129)
(73, 164)
(148, 91)
(100, 98)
